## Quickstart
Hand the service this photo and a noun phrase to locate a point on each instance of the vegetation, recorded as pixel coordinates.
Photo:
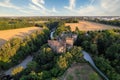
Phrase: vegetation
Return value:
(20, 22)
(110, 22)
(15, 50)
(52, 24)
(104, 47)
(80, 71)
(72, 20)
(62, 28)
(48, 65)
(17, 70)
(14, 24)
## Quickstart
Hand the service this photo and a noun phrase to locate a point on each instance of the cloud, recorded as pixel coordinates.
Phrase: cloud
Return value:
(88, 10)
(97, 8)
(54, 10)
(42, 1)
(39, 6)
(110, 5)
(31, 6)
(39, 3)
(71, 5)
(92, 2)
(7, 4)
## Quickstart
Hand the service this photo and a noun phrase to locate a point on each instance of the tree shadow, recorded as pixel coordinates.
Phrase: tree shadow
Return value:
(22, 35)
(2, 42)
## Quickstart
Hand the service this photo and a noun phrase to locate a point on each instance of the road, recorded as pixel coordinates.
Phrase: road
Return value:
(23, 64)
(88, 58)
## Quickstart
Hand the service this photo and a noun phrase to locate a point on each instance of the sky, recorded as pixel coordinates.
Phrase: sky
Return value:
(59, 7)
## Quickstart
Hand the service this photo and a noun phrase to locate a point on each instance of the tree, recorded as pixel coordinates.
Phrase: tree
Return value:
(76, 29)
(76, 53)
(62, 63)
(113, 51)
(17, 70)
(31, 76)
(44, 56)
(93, 48)
(32, 66)
(55, 72)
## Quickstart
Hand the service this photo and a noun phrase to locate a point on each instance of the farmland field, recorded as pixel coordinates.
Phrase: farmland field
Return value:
(89, 26)
(6, 35)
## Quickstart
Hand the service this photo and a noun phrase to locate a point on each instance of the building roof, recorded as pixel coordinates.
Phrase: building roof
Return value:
(57, 46)
(54, 43)
(69, 41)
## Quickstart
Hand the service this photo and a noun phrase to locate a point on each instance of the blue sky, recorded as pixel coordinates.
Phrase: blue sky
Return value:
(59, 8)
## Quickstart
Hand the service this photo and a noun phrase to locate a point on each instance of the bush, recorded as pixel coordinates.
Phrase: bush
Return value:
(17, 70)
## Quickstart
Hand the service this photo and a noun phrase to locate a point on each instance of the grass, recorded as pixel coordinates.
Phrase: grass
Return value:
(70, 77)
(93, 76)
(81, 71)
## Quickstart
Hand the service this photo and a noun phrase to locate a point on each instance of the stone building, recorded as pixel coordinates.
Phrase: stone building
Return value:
(63, 43)
(57, 46)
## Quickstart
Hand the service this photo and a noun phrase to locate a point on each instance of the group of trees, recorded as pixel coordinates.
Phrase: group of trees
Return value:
(108, 22)
(22, 22)
(105, 48)
(15, 50)
(48, 65)
(62, 28)
(52, 24)
(14, 23)
(72, 20)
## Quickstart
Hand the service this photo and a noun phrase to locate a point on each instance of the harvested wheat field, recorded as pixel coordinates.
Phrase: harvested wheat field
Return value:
(89, 26)
(6, 35)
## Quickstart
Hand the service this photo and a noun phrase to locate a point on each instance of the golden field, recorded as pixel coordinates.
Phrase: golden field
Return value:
(6, 35)
(89, 26)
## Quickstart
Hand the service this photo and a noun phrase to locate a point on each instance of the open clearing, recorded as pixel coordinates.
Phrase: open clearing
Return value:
(81, 71)
(89, 26)
(6, 35)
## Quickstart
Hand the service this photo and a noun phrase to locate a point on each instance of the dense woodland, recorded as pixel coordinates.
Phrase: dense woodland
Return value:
(15, 50)
(48, 65)
(104, 46)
